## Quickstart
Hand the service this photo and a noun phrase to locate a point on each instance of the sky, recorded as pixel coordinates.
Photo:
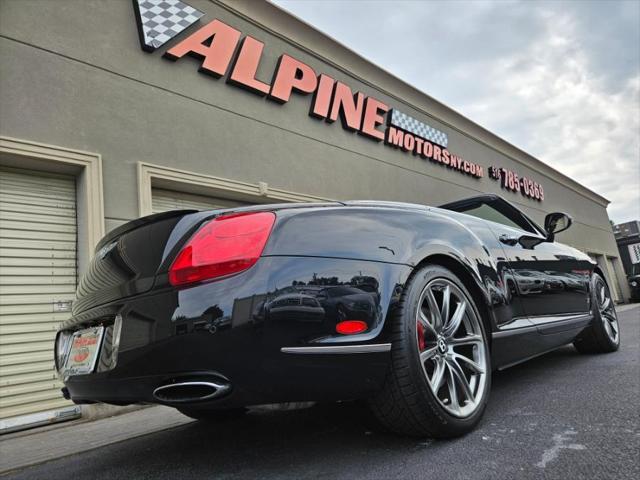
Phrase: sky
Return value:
(558, 79)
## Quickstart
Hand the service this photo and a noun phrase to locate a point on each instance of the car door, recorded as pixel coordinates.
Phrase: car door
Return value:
(551, 279)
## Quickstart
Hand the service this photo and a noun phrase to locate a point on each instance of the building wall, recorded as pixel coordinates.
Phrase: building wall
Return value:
(74, 75)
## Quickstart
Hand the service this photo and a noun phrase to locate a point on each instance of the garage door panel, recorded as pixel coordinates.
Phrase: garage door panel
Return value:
(30, 378)
(37, 230)
(40, 219)
(22, 358)
(41, 405)
(9, 201)
(52, 392)
(37, 223)
(47, 335)
(35, 256)
(38, 242)
(36, 191)
(54, 239)
(165, 200)
(28, 308)
(41, 317)
(31, 326)
(54, 290)
(7, 281)
(35, 299)
(14, 373)
(31, 347)
(17, 261)
(16, 209)
(33, 244)
(17, 185)
(34, 177)
(24, 389)
(38, 271)
(38, 194)
(23, 383)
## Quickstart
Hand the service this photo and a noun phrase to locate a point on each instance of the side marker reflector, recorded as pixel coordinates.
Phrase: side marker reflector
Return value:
(351, 327)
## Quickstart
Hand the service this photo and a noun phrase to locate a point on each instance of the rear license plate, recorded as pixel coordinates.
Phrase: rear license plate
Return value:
(83, 351)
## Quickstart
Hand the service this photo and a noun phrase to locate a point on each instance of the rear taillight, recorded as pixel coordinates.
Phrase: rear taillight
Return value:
(224, 246)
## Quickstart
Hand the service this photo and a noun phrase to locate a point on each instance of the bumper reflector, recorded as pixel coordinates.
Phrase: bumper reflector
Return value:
(351, 327)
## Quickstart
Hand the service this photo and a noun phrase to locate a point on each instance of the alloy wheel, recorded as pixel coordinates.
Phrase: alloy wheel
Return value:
(607, 310)
(452, 350)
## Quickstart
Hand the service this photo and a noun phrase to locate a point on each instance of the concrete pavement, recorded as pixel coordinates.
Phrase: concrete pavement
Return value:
(563, 415)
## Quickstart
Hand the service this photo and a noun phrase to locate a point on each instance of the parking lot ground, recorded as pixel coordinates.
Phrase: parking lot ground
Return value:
(562, 415)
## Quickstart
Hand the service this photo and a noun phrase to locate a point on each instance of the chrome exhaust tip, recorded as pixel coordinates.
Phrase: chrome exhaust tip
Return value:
(191, 391)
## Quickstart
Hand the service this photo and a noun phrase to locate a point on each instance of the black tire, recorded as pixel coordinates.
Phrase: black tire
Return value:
(223, 415)
(603, 335)
(406, 404)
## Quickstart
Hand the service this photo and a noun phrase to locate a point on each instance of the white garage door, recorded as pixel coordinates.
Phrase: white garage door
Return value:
(37, 284)
(163, 200)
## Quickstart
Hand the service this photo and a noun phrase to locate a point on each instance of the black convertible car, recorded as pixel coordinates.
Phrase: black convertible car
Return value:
(407, 306)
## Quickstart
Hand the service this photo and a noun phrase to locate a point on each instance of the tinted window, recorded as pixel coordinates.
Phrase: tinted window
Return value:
(486, 212)
(494, 209)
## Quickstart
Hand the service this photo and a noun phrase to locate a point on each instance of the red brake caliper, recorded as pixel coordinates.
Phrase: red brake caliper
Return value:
(421, 337)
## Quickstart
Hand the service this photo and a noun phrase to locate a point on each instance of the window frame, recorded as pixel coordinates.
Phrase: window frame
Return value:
(500, 205)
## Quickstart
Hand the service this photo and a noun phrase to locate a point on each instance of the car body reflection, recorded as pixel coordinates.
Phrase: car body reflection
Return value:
(324, 300)
(301, 307)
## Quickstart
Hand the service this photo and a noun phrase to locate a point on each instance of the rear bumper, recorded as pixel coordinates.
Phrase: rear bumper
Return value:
(226, 329)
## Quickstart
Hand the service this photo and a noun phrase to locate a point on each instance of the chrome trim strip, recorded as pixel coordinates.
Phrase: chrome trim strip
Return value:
(514, 331)
(338, 349)
(515, 324)
(552, 323)
(545, 319)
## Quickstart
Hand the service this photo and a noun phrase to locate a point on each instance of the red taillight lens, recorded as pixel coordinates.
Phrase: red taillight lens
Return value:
(351, 327)
(223, 246)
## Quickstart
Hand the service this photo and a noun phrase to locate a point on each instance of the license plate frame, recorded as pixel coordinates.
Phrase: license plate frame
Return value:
(84, 349)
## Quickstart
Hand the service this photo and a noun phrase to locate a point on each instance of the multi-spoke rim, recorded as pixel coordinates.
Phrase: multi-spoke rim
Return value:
(452, 351)
(607, 310)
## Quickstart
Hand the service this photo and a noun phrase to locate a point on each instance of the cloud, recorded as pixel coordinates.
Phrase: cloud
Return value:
(553, 105)
(560, 80)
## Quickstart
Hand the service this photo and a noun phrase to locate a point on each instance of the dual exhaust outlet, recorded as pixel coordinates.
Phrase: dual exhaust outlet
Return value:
(192, 390)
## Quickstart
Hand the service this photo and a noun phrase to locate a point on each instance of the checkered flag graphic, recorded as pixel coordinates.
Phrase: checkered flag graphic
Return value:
(410, 124)
(634, 252)
(161, 20)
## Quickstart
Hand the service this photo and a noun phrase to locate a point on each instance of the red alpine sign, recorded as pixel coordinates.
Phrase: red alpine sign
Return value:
(224, 52)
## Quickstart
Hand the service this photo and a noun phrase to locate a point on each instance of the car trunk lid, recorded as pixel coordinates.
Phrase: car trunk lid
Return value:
(126, 260)
(130, 259)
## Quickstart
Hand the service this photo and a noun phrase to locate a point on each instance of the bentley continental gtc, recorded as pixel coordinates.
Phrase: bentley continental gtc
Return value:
(407, 307)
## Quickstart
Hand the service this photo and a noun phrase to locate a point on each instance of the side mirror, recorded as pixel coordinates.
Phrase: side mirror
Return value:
(555, 223)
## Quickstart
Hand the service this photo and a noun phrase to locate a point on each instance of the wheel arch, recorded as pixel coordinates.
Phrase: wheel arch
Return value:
(600, 272)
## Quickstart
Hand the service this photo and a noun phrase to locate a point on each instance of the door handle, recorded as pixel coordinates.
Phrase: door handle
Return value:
(508, 240)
